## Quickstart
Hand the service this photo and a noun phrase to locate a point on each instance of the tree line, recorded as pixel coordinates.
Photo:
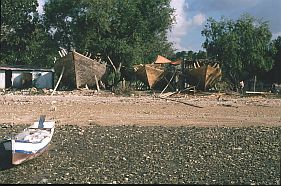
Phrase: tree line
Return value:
(132, 32)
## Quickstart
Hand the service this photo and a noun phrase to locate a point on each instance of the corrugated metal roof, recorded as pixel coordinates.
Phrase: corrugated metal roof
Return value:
(162, 60)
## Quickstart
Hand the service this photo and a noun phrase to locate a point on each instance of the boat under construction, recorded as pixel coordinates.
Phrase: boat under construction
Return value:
(151, 74)
(204, 75)
(77, 70)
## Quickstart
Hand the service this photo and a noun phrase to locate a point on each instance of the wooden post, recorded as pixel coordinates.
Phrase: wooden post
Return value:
(112, 63)
(41, 121)
(193, 90)
(119, 67)
(102, 84)
(65, 51)
(255, 80)
(123, 83)
(168, 82)
(97, 83)
(60, 54)
(58, 80)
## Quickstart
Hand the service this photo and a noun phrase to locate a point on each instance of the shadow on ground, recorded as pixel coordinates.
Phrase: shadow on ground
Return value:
(5, 157)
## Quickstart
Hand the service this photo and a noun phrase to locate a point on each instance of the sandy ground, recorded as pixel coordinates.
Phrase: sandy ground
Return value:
(105, 108)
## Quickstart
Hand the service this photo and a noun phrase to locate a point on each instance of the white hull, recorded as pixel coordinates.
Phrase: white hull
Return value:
(30, 143)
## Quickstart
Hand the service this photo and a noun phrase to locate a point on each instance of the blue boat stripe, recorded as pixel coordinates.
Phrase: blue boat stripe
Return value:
(24, 141)
(23, 152)
(30, 152)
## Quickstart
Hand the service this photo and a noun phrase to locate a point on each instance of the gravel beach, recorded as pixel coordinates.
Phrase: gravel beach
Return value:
(144, 139)
(153, 154)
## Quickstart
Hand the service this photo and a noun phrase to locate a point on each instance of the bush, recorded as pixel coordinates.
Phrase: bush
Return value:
(123, 88)
(223, 86)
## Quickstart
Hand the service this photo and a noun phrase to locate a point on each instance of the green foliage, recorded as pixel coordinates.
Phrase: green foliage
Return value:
(190, 55)
(276, 70)
(23, 39)
(223, 86)
(113, 79)
(131, 32)
(123, 88)
(242, 46)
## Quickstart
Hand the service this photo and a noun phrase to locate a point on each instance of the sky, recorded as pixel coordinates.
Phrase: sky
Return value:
(192, 15)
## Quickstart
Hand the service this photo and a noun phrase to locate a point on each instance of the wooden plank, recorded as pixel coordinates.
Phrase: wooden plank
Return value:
(112, 64)
(97, 83)
(178, 101)
(168, 83)
(58, 80)
(188, 88)
(253, 92)
(167, 94)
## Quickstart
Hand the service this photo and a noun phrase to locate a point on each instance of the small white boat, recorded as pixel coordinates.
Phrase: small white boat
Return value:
(31, 142)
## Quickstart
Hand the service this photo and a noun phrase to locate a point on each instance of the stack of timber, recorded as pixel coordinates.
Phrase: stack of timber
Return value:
(80, 71)
(203, 76)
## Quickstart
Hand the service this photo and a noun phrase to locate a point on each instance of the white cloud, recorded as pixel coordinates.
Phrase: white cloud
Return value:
(199, 19)
(181, 22)
(275, 35)
(40, 6)
(184, 24)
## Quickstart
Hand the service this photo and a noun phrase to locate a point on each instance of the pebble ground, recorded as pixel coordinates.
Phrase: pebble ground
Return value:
(151, 154)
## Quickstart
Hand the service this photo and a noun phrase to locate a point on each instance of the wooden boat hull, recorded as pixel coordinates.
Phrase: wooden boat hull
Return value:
(25, 147)
(149, 74)
(80, 70)
(19, 156)
(204, 76)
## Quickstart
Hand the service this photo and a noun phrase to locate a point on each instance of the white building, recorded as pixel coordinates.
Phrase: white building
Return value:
(21, 77)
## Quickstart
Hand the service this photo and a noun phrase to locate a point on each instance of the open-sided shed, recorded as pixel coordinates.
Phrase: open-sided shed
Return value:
(25, 77)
